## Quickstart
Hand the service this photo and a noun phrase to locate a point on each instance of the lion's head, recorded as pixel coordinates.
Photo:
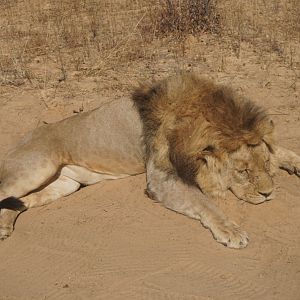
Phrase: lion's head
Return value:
(208, 136)
(247, 172)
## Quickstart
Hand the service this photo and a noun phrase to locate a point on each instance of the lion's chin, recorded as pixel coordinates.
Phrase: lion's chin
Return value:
(256, 200)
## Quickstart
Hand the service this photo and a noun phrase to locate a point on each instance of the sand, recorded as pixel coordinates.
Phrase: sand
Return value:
(109, 241)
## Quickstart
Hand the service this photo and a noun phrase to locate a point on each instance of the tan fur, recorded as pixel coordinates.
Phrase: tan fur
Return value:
(194, 139)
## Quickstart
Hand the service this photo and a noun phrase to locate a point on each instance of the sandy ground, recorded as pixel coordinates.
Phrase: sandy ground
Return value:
(109, 241)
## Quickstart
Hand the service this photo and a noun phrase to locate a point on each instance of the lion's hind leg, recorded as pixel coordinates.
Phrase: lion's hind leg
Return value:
(62, 186)
(69, 181)
(23, 171)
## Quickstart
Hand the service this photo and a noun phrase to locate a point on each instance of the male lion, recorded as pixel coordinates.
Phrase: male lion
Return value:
(194, 139)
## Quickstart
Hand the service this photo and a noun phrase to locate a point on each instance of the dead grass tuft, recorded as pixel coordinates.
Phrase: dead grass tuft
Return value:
(47, 41)
(184, 17)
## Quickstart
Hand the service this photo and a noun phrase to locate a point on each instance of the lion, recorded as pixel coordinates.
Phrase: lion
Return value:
(195, 140)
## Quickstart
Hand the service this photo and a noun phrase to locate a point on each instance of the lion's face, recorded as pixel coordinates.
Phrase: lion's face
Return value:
(247, 172)
(251, 174)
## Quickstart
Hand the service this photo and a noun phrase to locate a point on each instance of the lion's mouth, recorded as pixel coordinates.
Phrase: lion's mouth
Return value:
(271, 197)
(253, 199)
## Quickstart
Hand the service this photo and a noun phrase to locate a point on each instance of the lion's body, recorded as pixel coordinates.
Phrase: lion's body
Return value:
(194, 139)
(106, 140)
(56, 159)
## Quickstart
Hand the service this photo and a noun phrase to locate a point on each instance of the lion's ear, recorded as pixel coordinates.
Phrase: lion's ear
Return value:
(267, 127)
(209, 150)
(268, 137)
(268, 132)
(264, 132)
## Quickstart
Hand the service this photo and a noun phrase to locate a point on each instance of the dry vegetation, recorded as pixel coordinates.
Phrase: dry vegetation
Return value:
(87, 37)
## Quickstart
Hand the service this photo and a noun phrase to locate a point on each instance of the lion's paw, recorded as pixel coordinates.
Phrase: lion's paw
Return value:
(230, 235)
(297, 171)
(5, 232)
(292, 168)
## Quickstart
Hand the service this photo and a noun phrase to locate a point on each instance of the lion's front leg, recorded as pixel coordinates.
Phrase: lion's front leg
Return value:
(287, 160)
(189, 201)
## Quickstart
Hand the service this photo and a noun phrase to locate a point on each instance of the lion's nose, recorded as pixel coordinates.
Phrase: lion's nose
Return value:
(266, 194)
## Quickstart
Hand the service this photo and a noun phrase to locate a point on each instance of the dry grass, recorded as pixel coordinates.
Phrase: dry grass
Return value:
(270, 26)
(183, 17)
(76, 35)
(87, 36)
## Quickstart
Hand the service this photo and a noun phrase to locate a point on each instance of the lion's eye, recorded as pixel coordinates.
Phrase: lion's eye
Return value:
(244, 172)
(267, 165)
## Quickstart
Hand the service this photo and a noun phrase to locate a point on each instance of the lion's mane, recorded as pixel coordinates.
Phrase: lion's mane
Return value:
(186, 117)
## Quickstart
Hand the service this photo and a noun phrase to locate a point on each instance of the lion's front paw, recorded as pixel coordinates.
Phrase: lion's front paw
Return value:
(230, 235)
(5, 232)
(292, 169)
(297, 171)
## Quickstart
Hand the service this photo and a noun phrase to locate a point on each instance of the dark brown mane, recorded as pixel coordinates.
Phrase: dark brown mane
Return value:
(185, 115)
